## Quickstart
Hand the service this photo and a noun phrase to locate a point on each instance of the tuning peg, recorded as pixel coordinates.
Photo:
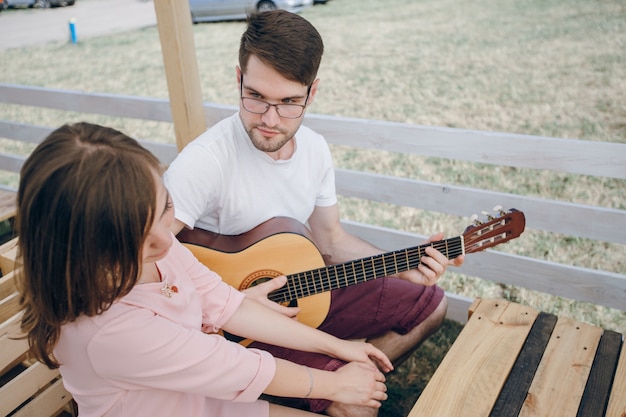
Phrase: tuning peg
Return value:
(498, 209)
(487, 215)
(474, 220)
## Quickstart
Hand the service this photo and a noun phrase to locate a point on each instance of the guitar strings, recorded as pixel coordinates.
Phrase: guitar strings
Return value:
(303, 284)
(355, 272)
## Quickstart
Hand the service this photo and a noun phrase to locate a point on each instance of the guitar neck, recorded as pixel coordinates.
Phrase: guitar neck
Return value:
(304, 284)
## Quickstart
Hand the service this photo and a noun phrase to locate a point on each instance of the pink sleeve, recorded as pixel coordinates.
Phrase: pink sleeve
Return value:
(219, 300)
(151, 351)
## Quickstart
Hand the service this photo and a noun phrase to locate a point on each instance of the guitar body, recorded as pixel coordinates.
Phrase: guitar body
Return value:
(280, 246)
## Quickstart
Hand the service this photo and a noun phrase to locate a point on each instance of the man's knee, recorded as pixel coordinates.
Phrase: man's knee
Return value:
(433, 321)
(439, 314)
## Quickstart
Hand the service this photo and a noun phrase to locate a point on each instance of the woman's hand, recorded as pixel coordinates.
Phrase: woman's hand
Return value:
(260, 292)
(359, 384)
(355, 351)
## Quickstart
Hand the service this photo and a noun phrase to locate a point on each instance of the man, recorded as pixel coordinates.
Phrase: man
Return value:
(262, 163)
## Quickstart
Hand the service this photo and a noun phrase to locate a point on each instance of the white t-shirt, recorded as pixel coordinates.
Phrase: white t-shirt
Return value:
(222, 183)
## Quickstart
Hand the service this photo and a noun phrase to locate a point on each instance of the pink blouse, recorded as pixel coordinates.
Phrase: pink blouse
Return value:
(152, 355)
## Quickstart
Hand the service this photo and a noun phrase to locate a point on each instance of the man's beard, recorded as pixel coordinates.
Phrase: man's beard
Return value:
(264, 144)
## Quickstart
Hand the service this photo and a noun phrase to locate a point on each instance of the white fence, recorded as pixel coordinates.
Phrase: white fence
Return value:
(600, 159)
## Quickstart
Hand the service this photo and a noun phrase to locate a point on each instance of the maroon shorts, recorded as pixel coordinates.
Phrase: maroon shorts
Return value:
(365, 310)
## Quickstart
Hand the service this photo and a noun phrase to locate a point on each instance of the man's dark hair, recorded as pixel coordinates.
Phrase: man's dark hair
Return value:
(284, 41)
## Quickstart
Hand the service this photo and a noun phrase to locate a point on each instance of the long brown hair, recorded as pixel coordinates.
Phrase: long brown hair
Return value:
(86, 200)
(285, 41)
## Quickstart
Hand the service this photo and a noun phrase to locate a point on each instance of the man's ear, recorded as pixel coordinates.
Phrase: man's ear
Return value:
(313, 91)
(238, 74)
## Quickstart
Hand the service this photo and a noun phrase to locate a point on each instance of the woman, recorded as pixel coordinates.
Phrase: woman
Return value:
(129, 315)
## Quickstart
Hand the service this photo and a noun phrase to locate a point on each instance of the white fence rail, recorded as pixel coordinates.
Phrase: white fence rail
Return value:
(600, 159)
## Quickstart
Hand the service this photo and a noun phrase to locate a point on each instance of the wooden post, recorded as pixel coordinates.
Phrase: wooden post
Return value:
(181, 69)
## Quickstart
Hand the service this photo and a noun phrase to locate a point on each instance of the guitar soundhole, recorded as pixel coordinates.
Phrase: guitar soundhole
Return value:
(257, 278)
(260, 277)
(251, 280)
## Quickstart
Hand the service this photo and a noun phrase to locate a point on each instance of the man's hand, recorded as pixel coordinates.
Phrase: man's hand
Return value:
(259, 294)
(432, 266)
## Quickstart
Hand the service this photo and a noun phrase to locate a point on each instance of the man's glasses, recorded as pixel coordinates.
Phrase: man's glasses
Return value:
(257, 106)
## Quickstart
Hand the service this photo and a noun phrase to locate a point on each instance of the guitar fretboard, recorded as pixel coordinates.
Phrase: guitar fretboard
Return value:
(304, 284)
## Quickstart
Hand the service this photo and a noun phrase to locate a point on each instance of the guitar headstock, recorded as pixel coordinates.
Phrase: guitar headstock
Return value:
(496, 230)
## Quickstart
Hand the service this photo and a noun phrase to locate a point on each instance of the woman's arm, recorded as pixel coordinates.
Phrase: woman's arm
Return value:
(354, 383)
(257, 322)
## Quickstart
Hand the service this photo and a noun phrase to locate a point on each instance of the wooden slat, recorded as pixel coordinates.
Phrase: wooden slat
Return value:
(617, 400)
(24, 386)
(560, 380)
(7, 285)
(518, 383)
(13, 350)
(35, 134)
(8, 254)
(9, 306)
(565, 155)
(470, 376)
(9, 326)
(11, 163)
(99, 103)
(592, 222)
(596, 395)
(24, 133)
(7, 205)
(47, 403)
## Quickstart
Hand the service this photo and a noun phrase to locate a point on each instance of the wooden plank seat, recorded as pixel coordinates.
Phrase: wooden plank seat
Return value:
(510, 360)
(7, 204)
(27, 387)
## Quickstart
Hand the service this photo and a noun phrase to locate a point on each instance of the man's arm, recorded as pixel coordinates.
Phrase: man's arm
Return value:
(338, 246)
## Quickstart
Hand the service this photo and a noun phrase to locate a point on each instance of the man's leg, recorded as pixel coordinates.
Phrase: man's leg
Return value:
(399, 347)
(345, 410)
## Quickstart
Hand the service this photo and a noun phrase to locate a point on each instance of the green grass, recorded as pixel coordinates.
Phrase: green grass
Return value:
(405, 384)
(553, 68)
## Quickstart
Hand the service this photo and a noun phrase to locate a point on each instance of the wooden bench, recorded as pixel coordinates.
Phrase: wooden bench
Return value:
(7, 205)
(27, 387)
(510, 360)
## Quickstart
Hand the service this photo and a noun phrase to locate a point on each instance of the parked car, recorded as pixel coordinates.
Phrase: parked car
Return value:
(215, 10)
(43, 4)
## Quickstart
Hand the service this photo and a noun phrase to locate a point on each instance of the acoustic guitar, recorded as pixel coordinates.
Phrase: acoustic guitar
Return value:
(283, 246)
